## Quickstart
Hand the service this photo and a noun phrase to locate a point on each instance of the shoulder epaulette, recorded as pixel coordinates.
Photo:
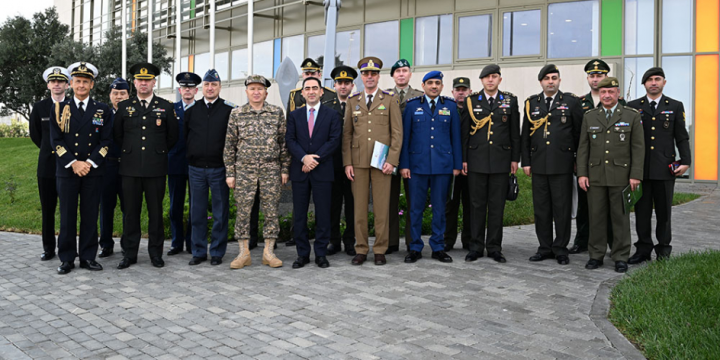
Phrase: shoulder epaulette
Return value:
(355, 94)
(587, 111)
(507, 93)
(295, 90)
(387, 92)
(414, 98)
(191, 105)
(449, 98)
(571, 94)
(328, 89)
(530, 97)
(474, 94)
(391, 92)
(631, 108)
(230, 104)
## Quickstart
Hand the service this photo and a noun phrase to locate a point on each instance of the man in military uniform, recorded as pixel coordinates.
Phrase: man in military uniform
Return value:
(177, 178)
(610, 156)
(310, 68)
(342, 187)
(461, 89)
(401, 73)
(112, 181)
(491, 150)
(373, 115)
(255, 157)
(664, 129)
(550, 135)
(596, 70)
(80, 133)
(431, 155)
(57, 79)
(145, 128)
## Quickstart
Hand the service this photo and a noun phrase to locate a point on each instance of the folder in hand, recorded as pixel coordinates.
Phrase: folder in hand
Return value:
(630, 198)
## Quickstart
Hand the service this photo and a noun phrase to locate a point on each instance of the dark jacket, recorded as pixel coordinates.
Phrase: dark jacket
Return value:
(325, 140)
(177, 156)
(205, 131)
(40, 135)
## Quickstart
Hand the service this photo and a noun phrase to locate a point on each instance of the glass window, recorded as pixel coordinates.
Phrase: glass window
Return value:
(573, 29)
(347, 47)
(634, 70)
(221, 65)
(677, 26)
(184, 65)
(293, 48)
(679, 74)
(239, 64)
(263, 59)
(475, 36)
(202, 64)
(521, 33)
(86, 11)
(433, 40)
(165, 80)
(382, 40)
(639, 26)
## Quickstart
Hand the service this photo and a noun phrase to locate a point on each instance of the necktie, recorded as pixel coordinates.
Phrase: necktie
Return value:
(402, 96)
(144, 104)
(369, 103)
(432, 106)
(311, 121)
(342, 108)
(491, 101)
(608, 114)
(209, 105)
(549, 102)
(81, 107)
(653, 104)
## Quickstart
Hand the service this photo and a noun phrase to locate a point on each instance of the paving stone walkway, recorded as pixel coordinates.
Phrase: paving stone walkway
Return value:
(427, 310)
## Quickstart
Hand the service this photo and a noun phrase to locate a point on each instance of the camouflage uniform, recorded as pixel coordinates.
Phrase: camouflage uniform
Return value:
(255, 155)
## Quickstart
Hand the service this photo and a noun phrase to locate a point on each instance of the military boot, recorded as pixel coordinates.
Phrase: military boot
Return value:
(243, 259)
(269, 257)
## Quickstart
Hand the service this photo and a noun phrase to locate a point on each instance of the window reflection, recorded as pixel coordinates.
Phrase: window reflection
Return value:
(634, 70)
(639, 26)
(573, 29)
(347, 47)
(433, 40)
(292, 47)
(474, 36)
(263, 59)
(521, 33)
(382, 40)
(677, 26)
(239, 64)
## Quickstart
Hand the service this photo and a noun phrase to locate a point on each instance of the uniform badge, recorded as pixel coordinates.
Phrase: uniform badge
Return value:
(504, 118)
(666, 124)
(563, 119)
(382, 107)
(594, 136)
(130, 110)
(97, 120)
(357, 107)
(622, 137)
(158, 122)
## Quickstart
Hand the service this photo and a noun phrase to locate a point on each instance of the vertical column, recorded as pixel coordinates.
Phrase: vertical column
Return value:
(250, 36)
(707, 40)
(124, 38)
(149, 30)
(407, 42)
(277, 55)
(212, 34)
(611, 28)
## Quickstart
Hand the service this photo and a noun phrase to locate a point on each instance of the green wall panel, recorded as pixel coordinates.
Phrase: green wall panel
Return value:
(611, 34)
(407, 40)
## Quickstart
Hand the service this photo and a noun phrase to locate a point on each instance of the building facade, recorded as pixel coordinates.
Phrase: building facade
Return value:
(458, 37)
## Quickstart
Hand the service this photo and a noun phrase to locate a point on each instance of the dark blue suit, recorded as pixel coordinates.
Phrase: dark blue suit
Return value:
(431, 150)
(111, 190)
(85, 138)
(324, 141)
(177, 185)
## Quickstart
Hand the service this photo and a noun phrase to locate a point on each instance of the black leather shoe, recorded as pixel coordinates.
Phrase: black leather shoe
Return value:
(157, 262)
(197, 260)
(392, 249)
(359, 259)
(350, 251)
(174, 251)
(105, 252)
(563, 259)
(413, 256)
(65, 267)
(540, 257)
(253, 243)
(639, 258)
(473, 255)
(449, 247)
(290, 242)
(47, 256)
(663, 257)
(322, 262)
(91, 265)
(380, 259)
(333, 249)
(215, 260)
(593, 264)
(300, 262)
(576, 249)
(442, 256)
(126, 262)
(497, 256)
(621, 266)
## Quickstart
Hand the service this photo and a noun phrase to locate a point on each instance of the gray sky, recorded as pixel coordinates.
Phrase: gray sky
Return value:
(25, 8)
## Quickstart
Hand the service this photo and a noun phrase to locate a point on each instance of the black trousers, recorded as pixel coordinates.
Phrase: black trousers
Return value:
(154, 190)
(660, 194)
(488, 193)
(452, 208)
(552, 203)
(320, 191)
(85, 192)
(342, 190)
(394, 226)
(47, 187)
(582, 222)
(112, 189)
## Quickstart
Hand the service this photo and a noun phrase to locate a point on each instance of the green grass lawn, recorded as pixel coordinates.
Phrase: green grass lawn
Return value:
(671, 309)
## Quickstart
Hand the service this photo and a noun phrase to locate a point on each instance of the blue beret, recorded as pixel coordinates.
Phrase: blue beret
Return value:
(433, 75)
(119, 84)
(211, 75)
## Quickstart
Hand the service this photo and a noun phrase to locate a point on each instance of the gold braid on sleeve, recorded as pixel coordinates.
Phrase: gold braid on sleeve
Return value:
(64, 120)
(478, 124)
(536, 124)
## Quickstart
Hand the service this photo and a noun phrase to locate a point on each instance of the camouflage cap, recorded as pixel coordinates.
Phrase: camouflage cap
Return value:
(608, 82)
(257, 79)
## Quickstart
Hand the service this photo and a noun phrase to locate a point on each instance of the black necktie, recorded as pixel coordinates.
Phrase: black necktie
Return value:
(490, 101)
(81, 107)
(369, 103)
(209, 105)
(549, 102)
(652, 106)
(143, 103)
(432, 106)
(342, 108)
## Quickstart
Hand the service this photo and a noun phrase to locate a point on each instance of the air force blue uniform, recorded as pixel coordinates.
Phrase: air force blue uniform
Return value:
(431, 150)
(177, 185)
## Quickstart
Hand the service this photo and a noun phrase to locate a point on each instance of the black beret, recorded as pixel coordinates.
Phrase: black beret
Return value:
(548, 69)
(490, 69)
(652, 72)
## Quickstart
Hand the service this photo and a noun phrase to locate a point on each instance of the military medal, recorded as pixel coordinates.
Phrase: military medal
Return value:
(158, 122)
(563, 119)
(622, 137)
(130, 110)
(357, 107)
(504, 118)
(666, 124)
(594, 136)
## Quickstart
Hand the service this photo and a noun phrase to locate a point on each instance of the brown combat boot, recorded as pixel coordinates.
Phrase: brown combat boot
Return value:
(269, 257)
(243, 259)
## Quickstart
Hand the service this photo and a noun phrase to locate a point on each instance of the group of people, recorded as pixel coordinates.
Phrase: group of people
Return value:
(460, 149)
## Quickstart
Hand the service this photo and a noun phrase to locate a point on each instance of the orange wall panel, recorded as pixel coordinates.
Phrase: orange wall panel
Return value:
(707, 28)
(706, 117)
